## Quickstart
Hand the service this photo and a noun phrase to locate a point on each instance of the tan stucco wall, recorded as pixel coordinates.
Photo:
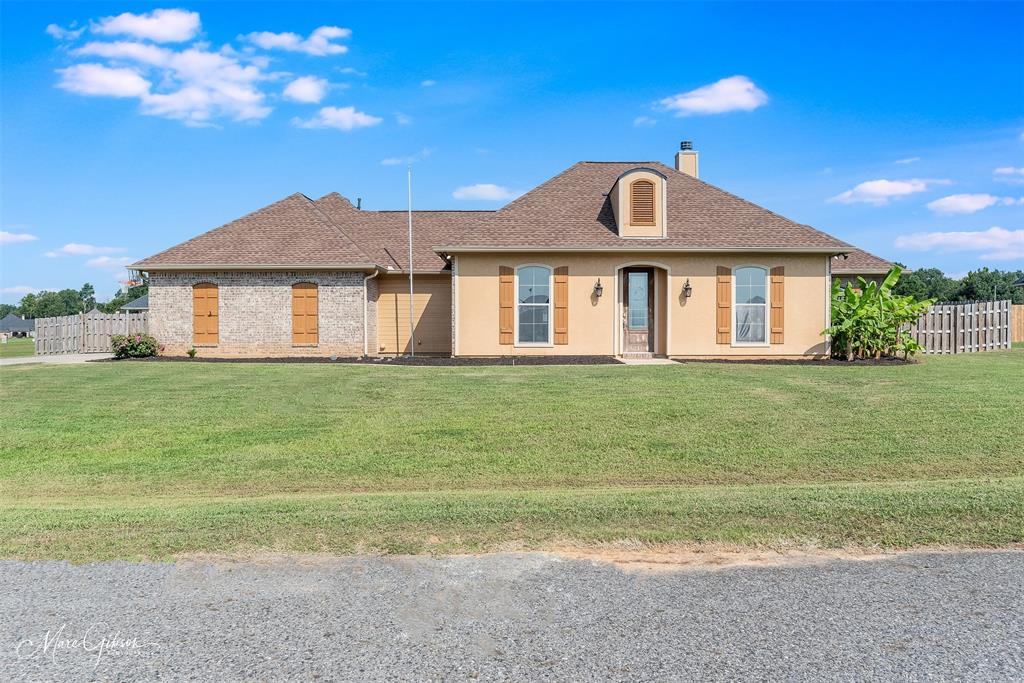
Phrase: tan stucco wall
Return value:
(594, 323)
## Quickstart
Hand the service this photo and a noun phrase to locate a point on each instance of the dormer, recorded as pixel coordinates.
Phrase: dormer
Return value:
(638, 202)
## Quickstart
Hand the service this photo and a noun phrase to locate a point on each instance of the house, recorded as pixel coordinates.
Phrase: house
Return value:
(15, 326)
(858, 263)
(605, 258)
(136, 305)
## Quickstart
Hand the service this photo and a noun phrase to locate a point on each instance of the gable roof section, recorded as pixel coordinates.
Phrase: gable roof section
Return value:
(572, 211)
(290, 233)
(860, 262)
(384, 235)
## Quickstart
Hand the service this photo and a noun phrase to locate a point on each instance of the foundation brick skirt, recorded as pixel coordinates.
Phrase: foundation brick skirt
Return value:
(255, 312)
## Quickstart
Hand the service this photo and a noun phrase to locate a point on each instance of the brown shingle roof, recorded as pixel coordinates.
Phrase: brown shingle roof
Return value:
(384, 235)
(572, 210)
(290, 232)
(861, 263)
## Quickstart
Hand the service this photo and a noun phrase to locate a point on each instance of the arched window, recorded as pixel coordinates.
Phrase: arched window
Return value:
(304, 314)
(533, 305)
(750, 304)
(641, 203)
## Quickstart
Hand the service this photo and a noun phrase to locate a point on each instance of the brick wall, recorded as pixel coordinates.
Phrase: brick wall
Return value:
(255, 312)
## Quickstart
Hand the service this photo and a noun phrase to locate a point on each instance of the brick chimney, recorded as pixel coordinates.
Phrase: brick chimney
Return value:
(686, 159)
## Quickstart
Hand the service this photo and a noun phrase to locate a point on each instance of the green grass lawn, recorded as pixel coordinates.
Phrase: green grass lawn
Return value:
(18, 347)
(151, 459)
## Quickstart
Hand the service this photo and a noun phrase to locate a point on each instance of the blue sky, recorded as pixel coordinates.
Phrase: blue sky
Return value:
(129, 127)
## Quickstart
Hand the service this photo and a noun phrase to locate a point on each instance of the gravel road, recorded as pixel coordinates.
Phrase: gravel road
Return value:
(514, 616)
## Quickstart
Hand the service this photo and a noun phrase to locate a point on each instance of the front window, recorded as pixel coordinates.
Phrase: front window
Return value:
(750, 305)
(533, 301)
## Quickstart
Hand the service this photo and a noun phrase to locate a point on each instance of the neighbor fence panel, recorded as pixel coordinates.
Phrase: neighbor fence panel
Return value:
(86, 332)
(965, 327)
(1017, 316)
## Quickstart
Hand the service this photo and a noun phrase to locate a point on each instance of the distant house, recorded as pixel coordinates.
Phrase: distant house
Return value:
(858, 263)
(14, 326)
(140, 304)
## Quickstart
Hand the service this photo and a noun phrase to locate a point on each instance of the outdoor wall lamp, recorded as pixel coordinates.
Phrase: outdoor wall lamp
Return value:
(687, 289)
(598, 289)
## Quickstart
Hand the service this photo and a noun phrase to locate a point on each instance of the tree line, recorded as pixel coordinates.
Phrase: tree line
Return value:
(977, 285)
(71, 302)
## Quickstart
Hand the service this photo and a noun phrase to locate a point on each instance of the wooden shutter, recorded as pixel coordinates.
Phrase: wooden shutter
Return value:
(506, 304)
(304, 313)
(778, 296)
(641, 203)
(562, 305)
(205, 314)
(723, 318)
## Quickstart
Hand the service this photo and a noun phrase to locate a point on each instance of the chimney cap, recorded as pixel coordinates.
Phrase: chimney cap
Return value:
(686, 145)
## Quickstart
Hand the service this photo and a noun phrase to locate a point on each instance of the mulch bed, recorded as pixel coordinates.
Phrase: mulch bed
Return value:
(400, 360)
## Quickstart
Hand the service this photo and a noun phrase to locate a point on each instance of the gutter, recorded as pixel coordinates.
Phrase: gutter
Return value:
(366, 337)
(627, 248)
(141, 265)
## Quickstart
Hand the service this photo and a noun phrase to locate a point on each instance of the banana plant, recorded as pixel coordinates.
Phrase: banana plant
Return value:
(869, 321)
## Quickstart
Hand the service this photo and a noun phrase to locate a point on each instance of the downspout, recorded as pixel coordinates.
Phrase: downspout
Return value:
(366, 336)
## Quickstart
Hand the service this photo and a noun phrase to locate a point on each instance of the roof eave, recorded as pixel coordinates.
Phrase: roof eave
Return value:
(150, 267)
(456, 249)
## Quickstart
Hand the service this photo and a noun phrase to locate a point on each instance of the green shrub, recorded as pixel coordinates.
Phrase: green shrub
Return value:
(871, 322)
(133, 345)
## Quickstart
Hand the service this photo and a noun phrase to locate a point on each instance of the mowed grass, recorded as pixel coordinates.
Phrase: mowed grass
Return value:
(152, 459)
(17, 348)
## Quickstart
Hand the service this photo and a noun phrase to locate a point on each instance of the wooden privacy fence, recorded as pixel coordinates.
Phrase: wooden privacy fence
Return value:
(1018, 323)
(964, 327)
(86, 332)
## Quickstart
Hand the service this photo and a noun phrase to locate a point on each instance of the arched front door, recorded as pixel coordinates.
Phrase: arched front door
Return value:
(638, 310)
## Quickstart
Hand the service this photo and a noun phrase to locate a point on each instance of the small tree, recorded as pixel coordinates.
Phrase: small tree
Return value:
(870, 321)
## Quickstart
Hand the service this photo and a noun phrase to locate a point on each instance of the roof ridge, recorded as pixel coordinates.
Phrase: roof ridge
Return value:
(320, 212)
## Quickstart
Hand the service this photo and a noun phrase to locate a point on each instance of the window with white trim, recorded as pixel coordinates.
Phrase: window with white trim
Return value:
(750, 305)
(533, 305)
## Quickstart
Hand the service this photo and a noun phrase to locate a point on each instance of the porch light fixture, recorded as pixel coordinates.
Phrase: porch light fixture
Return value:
(598, 289)
(687, 289)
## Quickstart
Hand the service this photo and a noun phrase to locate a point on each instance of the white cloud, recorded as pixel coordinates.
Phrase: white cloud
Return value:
(127, 50)
(880, 192)
(999, 244)
(75, 249)
(15, 237)
(19, 289)
(736, 93)
(402, 119)
(342, 118)
(484, 191)
(908, 160)
(318, 44)
(109, 262)
(970, 203)
(351, 71)
(1009, 174)
(411, 159)
(644, 121)
(196, 85)
(99, 80)
(61, 33)
(161, 25)
(428, 83)
(308, 89)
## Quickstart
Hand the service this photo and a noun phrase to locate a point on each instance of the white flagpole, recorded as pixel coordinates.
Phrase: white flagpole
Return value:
(412, 332)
